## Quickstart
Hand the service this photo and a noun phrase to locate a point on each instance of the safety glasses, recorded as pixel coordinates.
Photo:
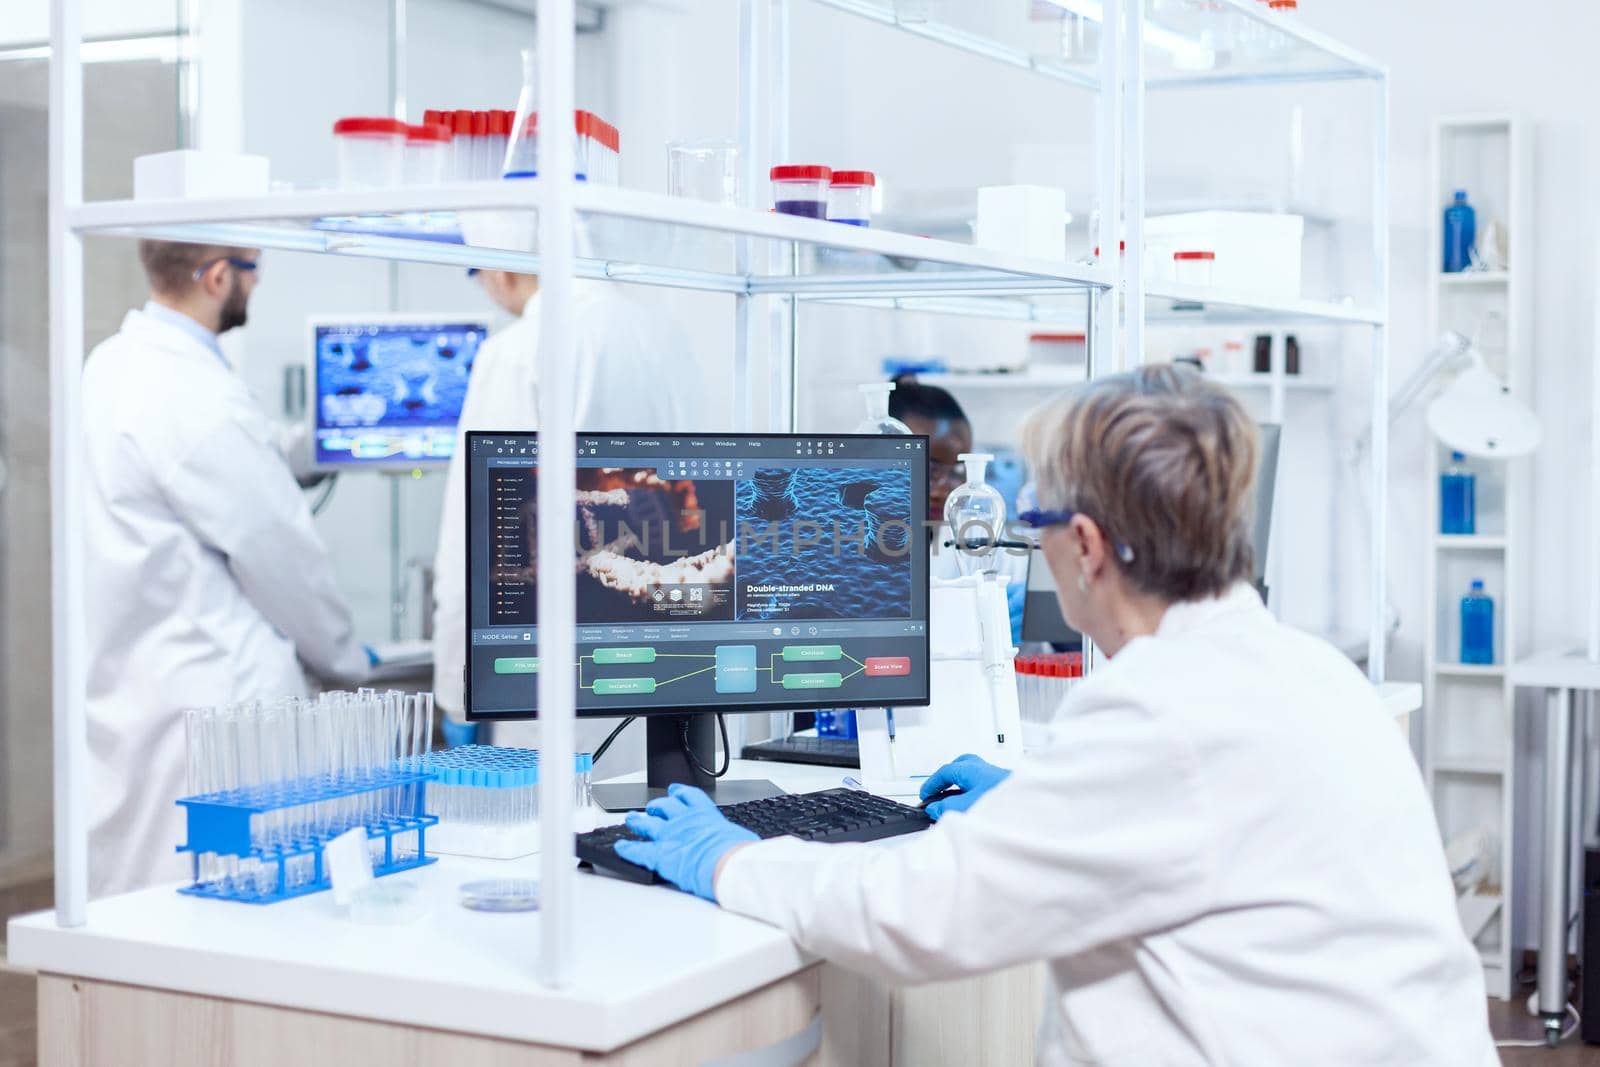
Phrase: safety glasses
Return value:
(236, 262)
(1043, 519)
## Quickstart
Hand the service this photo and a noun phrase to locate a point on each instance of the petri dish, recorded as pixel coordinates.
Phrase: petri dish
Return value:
(501, 894)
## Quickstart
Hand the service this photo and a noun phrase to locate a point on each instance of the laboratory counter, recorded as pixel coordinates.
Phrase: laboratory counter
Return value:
(661, 978)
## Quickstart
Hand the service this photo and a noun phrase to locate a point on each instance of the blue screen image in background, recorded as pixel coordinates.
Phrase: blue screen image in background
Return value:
(392, 390)
(861, 566)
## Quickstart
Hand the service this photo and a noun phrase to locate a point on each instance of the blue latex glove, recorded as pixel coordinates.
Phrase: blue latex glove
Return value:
(1016, 600)
(457, 734)
(688, 835)
(973, 776)
(372, 655)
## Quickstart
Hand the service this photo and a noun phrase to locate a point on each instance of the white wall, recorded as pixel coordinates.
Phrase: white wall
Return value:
(1536, 59)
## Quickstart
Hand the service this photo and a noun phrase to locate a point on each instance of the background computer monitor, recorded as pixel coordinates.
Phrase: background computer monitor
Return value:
(716, 573)
(386, 390)
(1041, 610)
(1266, 492)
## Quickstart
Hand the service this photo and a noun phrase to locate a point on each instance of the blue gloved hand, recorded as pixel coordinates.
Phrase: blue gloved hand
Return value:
(688, 835)
(457, 734)
(1016, 602)
(973, 776)
(372, 655)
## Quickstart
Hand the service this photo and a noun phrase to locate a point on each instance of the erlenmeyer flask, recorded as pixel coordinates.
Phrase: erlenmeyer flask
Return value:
(878, 420)
(976, 515)
(522, 148)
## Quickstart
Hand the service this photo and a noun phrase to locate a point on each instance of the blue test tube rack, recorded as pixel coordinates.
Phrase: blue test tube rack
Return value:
(220, 824)
(491, 766)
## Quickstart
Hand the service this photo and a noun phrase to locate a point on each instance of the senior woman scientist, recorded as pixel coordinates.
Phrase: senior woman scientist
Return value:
(1226, 855)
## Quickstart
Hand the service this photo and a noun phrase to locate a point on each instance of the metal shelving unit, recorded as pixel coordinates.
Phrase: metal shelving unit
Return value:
(769, 264)
(1470, 742)
(1290, 53)
(765, 262)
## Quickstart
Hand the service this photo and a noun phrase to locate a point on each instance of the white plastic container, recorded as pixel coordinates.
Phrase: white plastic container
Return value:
(1256, 252)
(599, 149)
(499, 140)
(1023, 220)
(190, 173)
(1058, 349)
(1194, 266)
(462, 147)
(850, 197)
(483, 167)
(371, 152)
(801, 189)
(427, 154)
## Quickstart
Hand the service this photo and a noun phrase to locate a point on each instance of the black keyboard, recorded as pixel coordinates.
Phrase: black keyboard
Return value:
(832, 815)
(822, 751)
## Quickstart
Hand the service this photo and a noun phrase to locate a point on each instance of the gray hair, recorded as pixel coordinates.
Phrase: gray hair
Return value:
(1165, 463)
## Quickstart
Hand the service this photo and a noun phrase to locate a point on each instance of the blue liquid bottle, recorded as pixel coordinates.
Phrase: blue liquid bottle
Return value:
(1477, 625)
(1460, 234)
(1458, 498)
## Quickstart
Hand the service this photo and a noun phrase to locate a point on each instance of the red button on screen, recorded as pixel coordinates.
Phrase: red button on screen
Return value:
(886, 666)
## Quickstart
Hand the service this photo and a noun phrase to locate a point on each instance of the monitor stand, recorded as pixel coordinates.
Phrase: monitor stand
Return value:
(667, 762)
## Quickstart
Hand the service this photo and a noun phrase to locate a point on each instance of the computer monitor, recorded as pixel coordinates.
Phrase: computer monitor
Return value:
(1266, 493)
(386, 390)
(1041, 610)
(716, 573)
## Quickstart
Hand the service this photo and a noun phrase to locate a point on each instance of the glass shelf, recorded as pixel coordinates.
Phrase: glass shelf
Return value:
(1196, 43)
(1188, 43)
(624, 235)
(947, 22)
(1053, 311)
(1169, 304)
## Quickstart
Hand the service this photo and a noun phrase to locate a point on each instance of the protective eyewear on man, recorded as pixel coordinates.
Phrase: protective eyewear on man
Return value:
(1044, 518)
(236, 262)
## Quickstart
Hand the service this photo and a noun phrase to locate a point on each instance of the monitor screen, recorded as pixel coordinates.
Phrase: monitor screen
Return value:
(388, 392)
(721, 573)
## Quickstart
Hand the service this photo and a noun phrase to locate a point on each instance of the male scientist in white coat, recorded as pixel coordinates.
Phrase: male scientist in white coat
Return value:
(207, 582)
(636, 372)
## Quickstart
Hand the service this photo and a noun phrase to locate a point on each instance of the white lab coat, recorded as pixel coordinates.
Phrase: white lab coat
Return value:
(205, 578)
(636, 372)
(1227, 856)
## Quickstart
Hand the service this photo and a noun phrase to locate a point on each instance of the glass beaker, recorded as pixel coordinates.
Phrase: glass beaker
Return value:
(704, 170)
(877, 419)
(976, 515)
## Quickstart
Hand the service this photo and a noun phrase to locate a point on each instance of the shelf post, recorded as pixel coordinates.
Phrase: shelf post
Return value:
(1379, 592)
(557, 684)
(1104, 328)
(752, 99)
(69, 676)
(1133, 119)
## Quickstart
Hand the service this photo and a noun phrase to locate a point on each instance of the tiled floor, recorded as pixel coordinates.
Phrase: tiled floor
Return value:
(18, 1027)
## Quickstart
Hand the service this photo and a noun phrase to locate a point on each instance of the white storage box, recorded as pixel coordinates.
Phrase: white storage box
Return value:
(1023, 220)
(192, 174)
(1256, 252)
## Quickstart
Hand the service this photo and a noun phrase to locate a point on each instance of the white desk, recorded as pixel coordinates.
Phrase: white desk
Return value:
(159, 978)
(651, 959)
